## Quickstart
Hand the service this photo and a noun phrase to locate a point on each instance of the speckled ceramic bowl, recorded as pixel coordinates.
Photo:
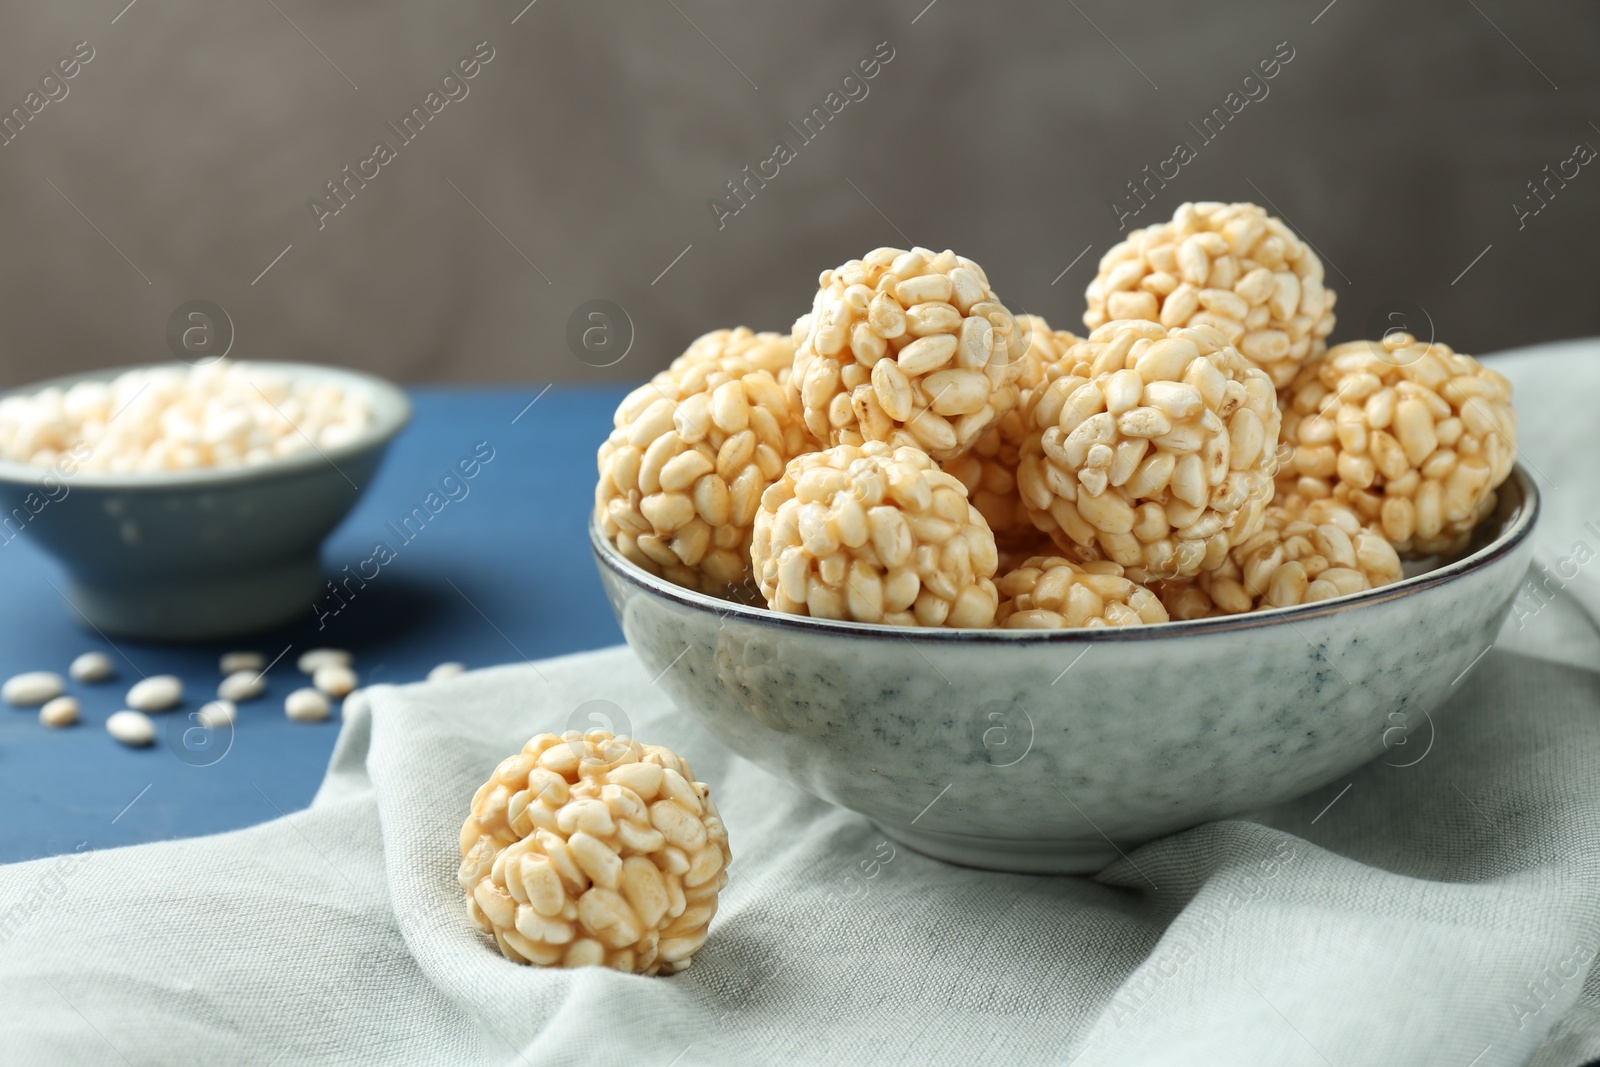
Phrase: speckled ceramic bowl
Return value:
(201, 554)
(1050, 751)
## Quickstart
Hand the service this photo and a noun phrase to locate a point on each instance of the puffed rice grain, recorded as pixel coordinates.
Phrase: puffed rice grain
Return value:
(132, 728)
(32, 688)
(217, 713)
(243, 685)
(62, 711)
(155, 693)
(312, 658)
(591, 849)
(306, 705)
(91, 667)
(874, 534)
(334, 679)
(234, 662)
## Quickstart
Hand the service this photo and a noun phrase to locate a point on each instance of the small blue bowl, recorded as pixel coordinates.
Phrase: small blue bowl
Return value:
(200, 554)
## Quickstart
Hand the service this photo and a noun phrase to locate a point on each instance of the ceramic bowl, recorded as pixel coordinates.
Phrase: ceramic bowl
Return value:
(1053, 751)
(199, 554)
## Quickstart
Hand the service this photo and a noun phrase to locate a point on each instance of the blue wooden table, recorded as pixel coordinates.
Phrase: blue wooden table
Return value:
(499, 575)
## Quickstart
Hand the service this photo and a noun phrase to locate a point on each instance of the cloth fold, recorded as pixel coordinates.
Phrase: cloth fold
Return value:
(1439, 906)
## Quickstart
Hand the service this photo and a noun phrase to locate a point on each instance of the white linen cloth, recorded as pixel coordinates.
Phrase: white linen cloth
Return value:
(1442, 913)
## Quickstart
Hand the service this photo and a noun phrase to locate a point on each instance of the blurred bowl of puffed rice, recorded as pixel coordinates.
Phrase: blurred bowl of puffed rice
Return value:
(1057, 750)
(190, 502)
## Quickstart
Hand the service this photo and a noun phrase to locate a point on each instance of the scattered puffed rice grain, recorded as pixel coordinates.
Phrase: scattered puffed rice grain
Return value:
(131, 728)
(242, 685)
(62, 711)
(313, 658)
(306, 705)
(217, 713)
(91, 667)
(234, 662)
(32, 688)
(156, 693)
(334, 679)
(446, 670)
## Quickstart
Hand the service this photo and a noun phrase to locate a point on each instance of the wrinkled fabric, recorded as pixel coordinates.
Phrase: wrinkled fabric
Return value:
(1446, 911)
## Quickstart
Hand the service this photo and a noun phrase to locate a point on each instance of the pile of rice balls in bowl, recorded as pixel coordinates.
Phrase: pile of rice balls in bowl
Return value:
(914, 453)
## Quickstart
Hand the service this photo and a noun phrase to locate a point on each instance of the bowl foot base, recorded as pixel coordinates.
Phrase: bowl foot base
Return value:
(999, 854)
(176, 608)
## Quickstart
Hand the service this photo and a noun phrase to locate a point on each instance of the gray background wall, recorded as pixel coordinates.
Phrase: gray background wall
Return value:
(1396, 140)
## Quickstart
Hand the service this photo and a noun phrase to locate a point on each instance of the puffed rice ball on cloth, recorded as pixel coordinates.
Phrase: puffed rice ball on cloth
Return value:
(908, 348)
(1051, 593)
(683, 471)
(1414, 437)
(989, 468)
(1305, 551)
(1231, 266)
(874, 534)
(589, 849)
(1155, 449)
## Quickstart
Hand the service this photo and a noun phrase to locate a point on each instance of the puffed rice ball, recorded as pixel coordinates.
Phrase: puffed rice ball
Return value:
(908, 348)
(1051, 593)
(874, 534)
(589, 849)
(1414, 437)
(1152, 448)
(1305, 551)
(683, 472)
(989, 468)
(1231, 266)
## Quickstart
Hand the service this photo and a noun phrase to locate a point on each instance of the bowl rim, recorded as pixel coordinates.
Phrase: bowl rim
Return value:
(391, 414)
(1519, 525)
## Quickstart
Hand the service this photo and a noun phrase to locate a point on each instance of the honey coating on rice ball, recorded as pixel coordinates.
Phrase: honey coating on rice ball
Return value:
(1413, 437)
(587, 849)
(908, 348)
(1152, 448)
(989, 468)
(1305, 551)
(874, 534)
(692, 451)
(1231, 266)
(1051, 593)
